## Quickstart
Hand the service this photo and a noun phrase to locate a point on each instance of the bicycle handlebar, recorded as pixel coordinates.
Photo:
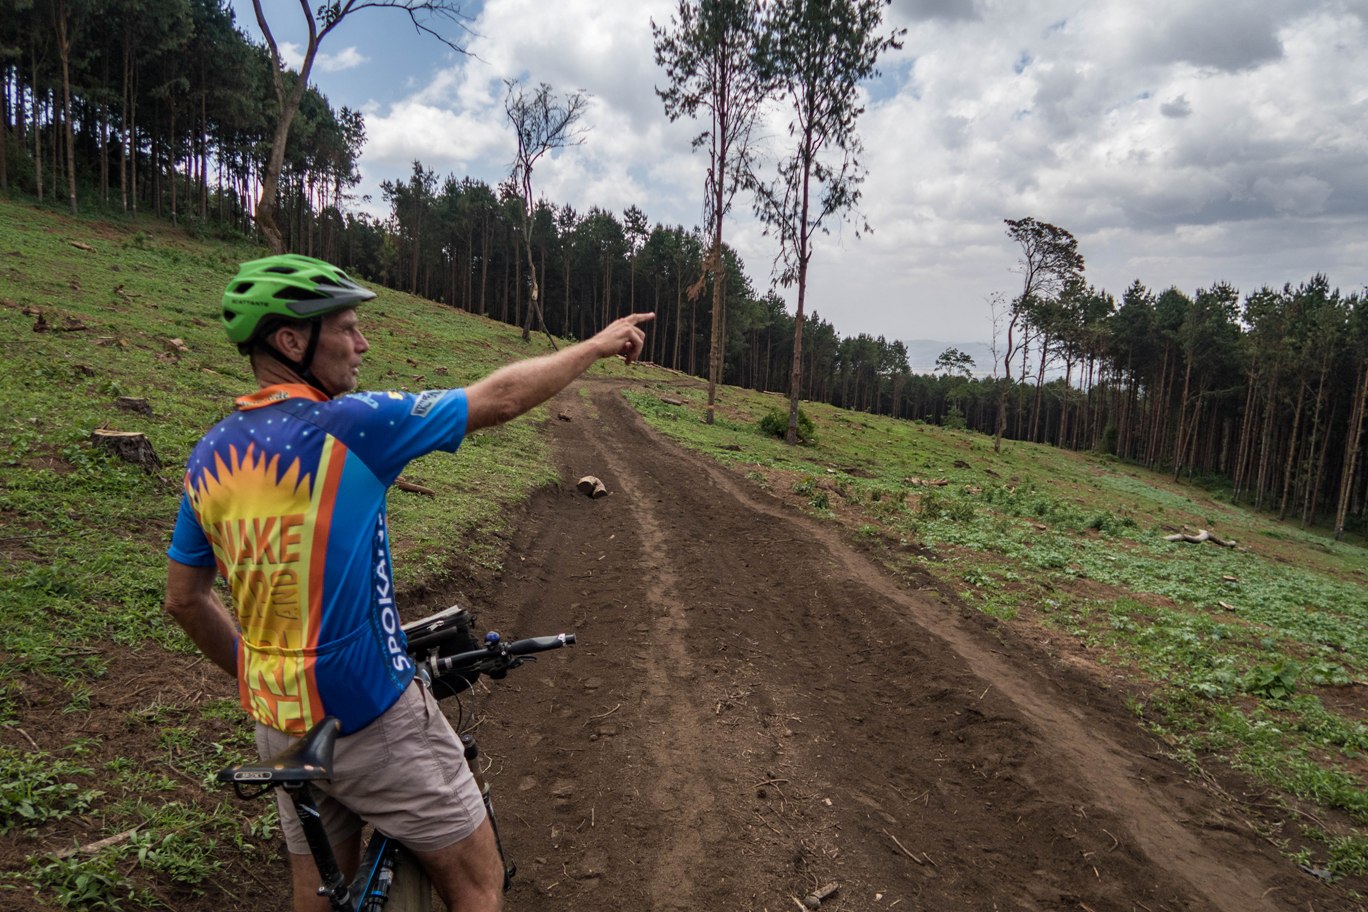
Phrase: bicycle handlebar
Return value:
(496, 657)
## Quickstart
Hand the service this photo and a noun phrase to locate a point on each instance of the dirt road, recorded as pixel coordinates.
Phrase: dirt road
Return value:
(756, 710)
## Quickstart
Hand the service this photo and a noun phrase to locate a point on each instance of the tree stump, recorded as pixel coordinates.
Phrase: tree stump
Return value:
(130, 446)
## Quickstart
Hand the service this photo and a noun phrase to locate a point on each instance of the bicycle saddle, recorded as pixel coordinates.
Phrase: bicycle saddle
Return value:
(307, 759)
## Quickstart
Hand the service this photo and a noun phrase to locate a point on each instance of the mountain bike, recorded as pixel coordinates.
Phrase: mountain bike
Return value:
(449, 662)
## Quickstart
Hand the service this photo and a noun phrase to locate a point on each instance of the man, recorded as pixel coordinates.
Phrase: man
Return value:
(285, 499)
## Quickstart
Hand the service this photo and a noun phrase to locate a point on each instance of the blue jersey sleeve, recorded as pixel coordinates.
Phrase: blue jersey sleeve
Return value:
(389, 430)
(189, 545)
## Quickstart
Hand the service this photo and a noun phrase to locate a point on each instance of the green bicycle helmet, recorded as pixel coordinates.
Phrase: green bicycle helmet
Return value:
(287, 286)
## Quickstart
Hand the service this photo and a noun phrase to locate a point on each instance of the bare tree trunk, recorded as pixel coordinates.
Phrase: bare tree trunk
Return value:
(716, 345)
(804, 254)
(679, 313)
(37, 129)
(1265, 446)
(4, 129)
(1310, 477)
(1352, 442)
(484, 266)
(1242, 451)
(1293, 446)
(171, 158)
(1182, 415)
(64, 55)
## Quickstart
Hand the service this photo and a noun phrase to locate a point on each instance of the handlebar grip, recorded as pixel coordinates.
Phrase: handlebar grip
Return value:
(540, 644)
(461, 660)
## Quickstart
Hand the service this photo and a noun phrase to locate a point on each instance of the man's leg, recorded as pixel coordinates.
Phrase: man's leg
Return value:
(305, 877)
(468, 874)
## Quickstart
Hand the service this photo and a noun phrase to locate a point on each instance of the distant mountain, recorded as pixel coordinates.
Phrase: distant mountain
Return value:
(922, 355)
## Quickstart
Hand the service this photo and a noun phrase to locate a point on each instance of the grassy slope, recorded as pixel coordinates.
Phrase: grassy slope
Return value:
(83, 535)
(1069, 547)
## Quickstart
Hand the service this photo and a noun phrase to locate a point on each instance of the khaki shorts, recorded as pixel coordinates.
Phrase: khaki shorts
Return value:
(405, 773)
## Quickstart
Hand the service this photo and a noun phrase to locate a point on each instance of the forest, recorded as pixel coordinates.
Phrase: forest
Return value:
(165, 109)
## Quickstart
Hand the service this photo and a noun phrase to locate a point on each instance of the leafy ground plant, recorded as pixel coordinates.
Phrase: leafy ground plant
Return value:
(36, 787)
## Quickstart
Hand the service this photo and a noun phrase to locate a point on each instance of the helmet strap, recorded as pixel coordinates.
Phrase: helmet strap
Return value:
(303, 365)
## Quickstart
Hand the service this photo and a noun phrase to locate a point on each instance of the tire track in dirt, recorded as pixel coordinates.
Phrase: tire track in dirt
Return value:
(675, 758)
(756, 708)
(1108, 768)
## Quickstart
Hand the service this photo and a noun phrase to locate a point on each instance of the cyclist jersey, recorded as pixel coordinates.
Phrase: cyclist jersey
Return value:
(287, 498)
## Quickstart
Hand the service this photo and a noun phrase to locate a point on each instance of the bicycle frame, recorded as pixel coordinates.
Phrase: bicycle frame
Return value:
(384, 861)
(389, 872)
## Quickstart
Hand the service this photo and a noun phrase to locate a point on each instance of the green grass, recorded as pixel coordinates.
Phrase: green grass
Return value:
(1227, 651)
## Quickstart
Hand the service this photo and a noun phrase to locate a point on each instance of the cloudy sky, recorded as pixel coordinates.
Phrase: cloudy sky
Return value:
(1183, 142)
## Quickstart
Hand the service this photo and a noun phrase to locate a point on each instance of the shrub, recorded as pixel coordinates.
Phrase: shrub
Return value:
(775, 424)
(1276, 682)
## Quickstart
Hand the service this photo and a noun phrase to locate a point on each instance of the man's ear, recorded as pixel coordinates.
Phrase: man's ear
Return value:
(291, 340)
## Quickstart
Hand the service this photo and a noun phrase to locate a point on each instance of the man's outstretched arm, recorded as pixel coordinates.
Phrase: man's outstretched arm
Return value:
(512, 390)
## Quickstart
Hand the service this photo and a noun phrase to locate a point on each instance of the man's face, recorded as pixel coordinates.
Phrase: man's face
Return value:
(337, 362)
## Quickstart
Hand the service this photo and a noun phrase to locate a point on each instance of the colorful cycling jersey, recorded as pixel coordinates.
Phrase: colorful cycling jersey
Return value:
(287, 497)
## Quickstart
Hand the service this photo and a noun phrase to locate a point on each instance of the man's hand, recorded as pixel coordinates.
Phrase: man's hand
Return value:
(512, 390)
(623, 337)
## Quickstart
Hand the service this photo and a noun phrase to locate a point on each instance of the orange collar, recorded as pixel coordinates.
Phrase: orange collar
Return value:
(270, 395)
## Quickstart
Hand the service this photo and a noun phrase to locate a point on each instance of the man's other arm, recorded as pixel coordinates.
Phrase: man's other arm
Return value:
(510, 391)
(195, 606)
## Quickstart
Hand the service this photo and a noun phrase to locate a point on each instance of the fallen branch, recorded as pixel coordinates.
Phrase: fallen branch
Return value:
(903, 847)
(91, 848)
(412, 488)
(1202, 536)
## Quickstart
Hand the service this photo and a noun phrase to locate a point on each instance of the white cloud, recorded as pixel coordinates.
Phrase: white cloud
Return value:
(1183, 142)
(347, 58)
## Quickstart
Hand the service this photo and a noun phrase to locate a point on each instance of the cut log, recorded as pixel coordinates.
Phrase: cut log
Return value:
(590, 486)
(79, 246)
(668, 401)
(130, 446)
